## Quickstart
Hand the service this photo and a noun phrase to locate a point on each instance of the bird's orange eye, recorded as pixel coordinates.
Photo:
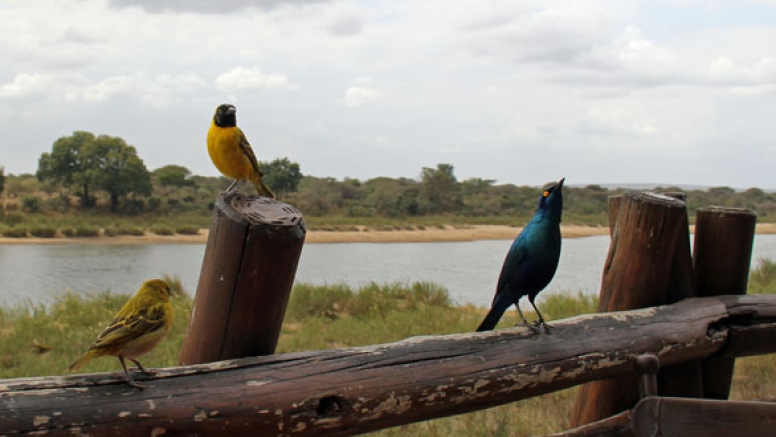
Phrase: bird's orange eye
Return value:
(546, 193)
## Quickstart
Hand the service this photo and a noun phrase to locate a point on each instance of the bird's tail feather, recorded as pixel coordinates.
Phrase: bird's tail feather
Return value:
(262, 188)
(85, 358)
(500, 305)
(491, 320)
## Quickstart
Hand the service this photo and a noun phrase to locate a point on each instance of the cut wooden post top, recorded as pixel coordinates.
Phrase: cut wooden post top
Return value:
(656, 198)
(727, 210)
(257, 210)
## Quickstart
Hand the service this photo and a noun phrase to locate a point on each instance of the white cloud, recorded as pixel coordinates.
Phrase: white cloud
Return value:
(726, 70)
(359, 95)
(645, 82)
(26, 84)
(251, 78)
(209, 7)
(158, 91)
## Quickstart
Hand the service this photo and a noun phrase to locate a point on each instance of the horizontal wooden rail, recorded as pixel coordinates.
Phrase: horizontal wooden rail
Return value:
(355, 390)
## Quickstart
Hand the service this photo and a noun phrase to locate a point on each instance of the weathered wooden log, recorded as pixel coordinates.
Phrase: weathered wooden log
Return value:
(686, 379)
(247, 274)
(752, 325)
(638, 265)
(722, 255)
(356, 390)
(637, 274)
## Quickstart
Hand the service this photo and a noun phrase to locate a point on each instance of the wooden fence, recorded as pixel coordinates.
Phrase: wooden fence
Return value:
(355, 390)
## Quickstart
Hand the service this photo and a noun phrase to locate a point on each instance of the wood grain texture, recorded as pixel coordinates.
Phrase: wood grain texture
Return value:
(686, 379)
(723, 251)
(671, 417)
(247, 275)
(639, 272)
(356, 390)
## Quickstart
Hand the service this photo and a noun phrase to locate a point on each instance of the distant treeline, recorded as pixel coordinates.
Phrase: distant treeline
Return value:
(103, 174)
(436, 193)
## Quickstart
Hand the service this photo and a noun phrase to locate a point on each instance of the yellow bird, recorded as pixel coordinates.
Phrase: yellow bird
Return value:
(138, 327)
(232, 154)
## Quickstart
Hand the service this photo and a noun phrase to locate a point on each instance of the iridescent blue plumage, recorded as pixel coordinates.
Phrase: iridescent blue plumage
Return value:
(531, 261)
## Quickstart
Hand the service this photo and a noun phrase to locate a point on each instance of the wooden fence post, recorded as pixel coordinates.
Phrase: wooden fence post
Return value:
(686, 379)
(613, 211)
(247, 274)
(637, 274)
(722, 257)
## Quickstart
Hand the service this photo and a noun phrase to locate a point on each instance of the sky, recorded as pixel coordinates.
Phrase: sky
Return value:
(523, 92)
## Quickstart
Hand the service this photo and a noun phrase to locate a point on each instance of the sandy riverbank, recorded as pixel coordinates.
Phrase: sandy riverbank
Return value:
(450, 233)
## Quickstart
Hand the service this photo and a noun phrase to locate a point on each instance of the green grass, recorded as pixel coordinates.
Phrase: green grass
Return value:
(763, 277)
(333, 316)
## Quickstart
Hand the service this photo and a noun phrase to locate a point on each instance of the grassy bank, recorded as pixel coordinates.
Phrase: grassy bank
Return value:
(37, 340)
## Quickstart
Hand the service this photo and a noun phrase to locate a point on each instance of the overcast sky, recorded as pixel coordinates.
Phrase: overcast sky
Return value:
(674, 92)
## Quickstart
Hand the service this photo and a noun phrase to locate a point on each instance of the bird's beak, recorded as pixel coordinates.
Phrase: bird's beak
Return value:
(560, 182)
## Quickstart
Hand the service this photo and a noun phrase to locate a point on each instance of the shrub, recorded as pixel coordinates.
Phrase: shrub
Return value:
(162, 230)
(130, 230)
(110, 232)
(15, 232)
(154, 203)
(43, 232)
(133, 206)
(187, 230)
(68, 232)
(60, 203)
(13, 218)
(87, 231)
(31, 204)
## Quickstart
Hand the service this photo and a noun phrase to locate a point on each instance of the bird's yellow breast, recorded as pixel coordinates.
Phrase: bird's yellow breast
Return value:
(223, 145)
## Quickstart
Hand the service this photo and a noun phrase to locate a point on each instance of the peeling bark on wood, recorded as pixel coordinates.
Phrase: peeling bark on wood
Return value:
(355, 390)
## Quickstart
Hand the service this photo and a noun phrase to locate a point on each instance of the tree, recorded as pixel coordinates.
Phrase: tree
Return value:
(95, 163)
(2, 180)
(116, 168)
(476, 186)
(173, 176)
(67, 164)
(440, 191)
(282, 175)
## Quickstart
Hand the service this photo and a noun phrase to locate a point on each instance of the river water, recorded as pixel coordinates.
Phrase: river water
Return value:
(469, 270)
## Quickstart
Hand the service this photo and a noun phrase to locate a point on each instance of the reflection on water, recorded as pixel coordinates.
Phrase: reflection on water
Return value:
(469, 270)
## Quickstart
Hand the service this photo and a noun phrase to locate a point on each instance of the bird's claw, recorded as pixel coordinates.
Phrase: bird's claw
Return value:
(136, 385)
(531, 327)
(229, 195)
(543, 324)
